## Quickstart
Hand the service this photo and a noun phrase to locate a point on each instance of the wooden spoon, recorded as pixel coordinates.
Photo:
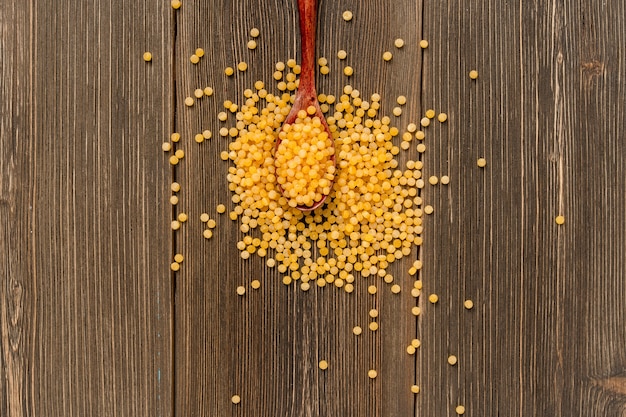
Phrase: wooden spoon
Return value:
(307, 95)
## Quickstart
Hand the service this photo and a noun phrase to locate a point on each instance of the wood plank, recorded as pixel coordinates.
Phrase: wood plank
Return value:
(14, 204)
(547, 113)
(85, 290)
(591, 124)
(266, 345)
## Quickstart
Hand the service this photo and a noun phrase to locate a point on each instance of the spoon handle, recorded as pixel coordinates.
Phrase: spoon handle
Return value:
(307, 10)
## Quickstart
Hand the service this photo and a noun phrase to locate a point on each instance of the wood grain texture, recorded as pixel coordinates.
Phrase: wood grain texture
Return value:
(15, 215)
(266, 345)
(85, 285)
(90, 325)
(546, 336)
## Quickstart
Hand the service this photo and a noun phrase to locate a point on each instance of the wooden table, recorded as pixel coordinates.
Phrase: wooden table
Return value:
(93, 322)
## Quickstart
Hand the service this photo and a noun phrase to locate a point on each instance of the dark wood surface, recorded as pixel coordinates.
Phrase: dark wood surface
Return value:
(93, 322)
(85, 294)
(547, 112)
